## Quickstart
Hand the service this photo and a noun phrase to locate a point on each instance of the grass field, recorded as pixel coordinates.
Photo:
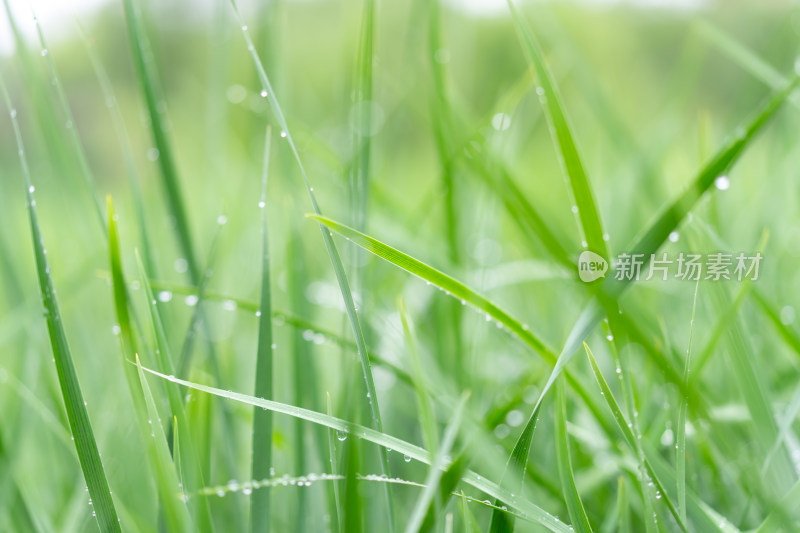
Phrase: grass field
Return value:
(372, 266)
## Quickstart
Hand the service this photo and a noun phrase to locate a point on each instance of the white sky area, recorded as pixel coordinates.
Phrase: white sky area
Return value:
(57, 17)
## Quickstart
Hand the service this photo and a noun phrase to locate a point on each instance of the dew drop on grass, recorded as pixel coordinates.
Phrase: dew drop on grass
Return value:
(115, 329)
(164, 296)
(674, 236)
(574, 208)
(222, 220)
(191, 300)
(262, 204)
(229, 305)
(667, 437)
(244, 28)
(44, 52)
(263, 94)
(283, 134)
(31, 189)
(181, 265)
(247, 491)
(722, 183)
(341, 435)
(787, 315)
(152, 154)
(609, 337)
(407, 458)
(501, 122)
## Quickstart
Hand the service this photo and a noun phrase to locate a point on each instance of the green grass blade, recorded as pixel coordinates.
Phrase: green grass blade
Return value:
(362, 119)
(126, 148)
(517, 462)
(424, 403)
(436, 277)
(588, 214)
(153, 437)
(143, 61)
(657, 233)
(262, 420)
(191, 474)
(71, 126)
(627, 430)
(85, 444)
(526, 508)
(680, 458)
(574, 505)
(333, 254)
(437, 468)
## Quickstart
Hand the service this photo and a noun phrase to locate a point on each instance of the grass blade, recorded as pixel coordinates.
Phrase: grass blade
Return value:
(333, 254)
(657, 233)
(437, 468)
(440, 279)
(142, 58)
(262, 420)
(153, 437)
(85, 444)
(588, 214)
(680, 458)
(526, 508)
(574, 505)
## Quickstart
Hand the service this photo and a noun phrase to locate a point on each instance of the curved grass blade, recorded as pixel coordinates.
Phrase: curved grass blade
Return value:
(437, 469)
(85, 444)
(333, 254)
(581, 192)
(527, 509)
(262, 420)
(577, 513)
(454, 287)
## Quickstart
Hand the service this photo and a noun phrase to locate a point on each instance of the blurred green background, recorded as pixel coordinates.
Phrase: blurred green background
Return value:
(651, 92)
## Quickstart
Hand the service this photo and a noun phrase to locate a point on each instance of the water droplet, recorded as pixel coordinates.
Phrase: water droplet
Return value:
(501, 122)
(574, 208)
(722, 183)
(115, 329)
(674, 236)
(191, 300)
(609, 337)
(787, 315)
(44, 52)
(258, 314)
(165, 296)
(222, 220)
(341, 435)
(407, 458)
(244, 27)
(263, 93)
(152, 154)
(31, 189)
(229, 305)
(262, 204)
(283, 134)
(180, 265)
